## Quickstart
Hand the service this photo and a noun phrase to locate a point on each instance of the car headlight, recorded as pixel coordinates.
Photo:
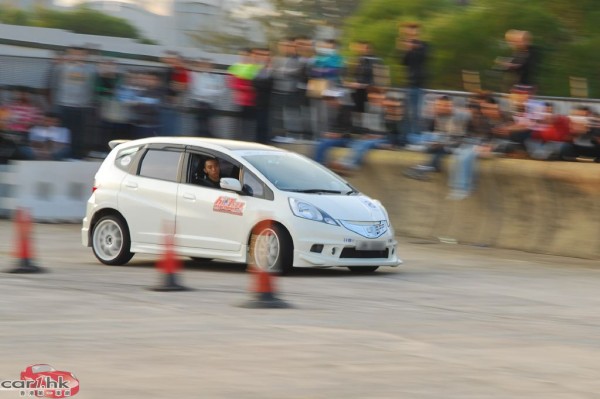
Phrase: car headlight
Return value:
(308, 211)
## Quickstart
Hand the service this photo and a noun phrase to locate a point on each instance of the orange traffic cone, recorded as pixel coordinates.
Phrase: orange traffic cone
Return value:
(264, 292)
(23, 250)
(169, 265)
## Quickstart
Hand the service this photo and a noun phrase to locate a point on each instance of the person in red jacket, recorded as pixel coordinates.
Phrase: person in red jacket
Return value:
(240, 80)
(552, 135)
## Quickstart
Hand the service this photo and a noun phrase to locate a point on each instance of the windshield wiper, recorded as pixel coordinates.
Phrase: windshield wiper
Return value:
(316, 191)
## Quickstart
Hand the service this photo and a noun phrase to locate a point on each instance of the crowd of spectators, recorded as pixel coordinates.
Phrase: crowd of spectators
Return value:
(313, 92)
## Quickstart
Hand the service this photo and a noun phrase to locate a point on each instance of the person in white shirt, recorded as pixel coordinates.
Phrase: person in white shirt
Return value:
(50, 140)
(205, 89)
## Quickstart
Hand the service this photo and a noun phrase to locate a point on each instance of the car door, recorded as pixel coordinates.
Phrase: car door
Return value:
(213, 218)
(148, 198)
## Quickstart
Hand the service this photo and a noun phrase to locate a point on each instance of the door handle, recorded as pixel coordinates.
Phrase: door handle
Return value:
(131, 184)
(189, 196)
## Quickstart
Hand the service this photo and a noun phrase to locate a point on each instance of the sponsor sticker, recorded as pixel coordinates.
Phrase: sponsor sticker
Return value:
(43, 381)
(229, 205)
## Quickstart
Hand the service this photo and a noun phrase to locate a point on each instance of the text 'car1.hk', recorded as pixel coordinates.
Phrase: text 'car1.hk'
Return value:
(235, 201)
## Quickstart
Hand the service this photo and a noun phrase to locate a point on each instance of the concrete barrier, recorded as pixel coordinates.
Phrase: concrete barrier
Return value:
(534, 206)
(51, 191)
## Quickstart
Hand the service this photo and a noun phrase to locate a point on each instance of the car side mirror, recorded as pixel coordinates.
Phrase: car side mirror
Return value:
(229, 183)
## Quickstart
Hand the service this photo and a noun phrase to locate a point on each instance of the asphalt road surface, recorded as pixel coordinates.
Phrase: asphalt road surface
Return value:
(453, 322)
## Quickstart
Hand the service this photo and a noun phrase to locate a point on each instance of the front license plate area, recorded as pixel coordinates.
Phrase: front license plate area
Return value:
(370, 245)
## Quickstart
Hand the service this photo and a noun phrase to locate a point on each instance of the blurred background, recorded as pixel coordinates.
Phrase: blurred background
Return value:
(466, 34)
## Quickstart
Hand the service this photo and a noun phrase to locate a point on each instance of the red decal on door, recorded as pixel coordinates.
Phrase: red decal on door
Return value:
(229, 205)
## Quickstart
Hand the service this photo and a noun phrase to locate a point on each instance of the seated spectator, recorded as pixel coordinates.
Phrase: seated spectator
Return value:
(20, 115)
(393, 115)
(17, 118)
(442, 133)
(475, 144)
(526, 114)
(495, 124)
(585, 136)
(50, 140)
(338, 126)
(374, 136)
(550, 137)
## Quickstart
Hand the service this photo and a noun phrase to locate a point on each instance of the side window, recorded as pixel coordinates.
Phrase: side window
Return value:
(197, 170)
(159, 164)
(125, 158)
(255, 187)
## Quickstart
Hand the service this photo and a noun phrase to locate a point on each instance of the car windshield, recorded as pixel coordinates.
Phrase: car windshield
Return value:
(293, 172)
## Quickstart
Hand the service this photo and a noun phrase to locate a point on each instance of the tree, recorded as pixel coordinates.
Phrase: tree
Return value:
(280, 19)
(80, 20)
(304, 17)
(469, 37)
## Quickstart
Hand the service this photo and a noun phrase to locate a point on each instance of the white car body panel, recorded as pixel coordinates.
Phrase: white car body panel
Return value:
(217, 224)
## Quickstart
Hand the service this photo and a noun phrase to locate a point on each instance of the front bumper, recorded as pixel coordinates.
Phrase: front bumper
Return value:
(339, 247)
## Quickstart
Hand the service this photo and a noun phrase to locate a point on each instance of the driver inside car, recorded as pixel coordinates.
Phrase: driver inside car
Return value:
(210, 175)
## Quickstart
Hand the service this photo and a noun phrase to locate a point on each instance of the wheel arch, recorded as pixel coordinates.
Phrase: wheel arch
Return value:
(266, 223)
(100, 214)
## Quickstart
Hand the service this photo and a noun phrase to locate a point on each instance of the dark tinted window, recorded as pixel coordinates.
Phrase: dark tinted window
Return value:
(159, 164)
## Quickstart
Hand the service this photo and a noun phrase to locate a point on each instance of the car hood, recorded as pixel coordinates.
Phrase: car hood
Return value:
(346, 207)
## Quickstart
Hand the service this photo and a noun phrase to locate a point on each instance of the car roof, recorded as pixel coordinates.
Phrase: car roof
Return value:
(215, 144)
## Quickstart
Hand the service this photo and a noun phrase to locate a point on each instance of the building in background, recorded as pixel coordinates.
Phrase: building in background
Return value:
(177, 23)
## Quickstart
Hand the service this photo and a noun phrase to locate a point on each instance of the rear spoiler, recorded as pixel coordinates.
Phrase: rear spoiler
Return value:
(113, 143)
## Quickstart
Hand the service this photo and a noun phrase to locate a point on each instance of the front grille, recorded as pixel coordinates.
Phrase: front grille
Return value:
(353, 253)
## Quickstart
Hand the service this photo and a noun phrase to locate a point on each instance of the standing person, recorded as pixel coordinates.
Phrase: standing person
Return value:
(305, 50)
(240, 79)
(263, 86)
(415, 55)
(364, 80)
(287, 75)
(107, 81)
(326, 74)
(176, 82)
(126, 91)
(75, 98)
(145, 107)
(53, 79)
(205, 89)
(523, 60)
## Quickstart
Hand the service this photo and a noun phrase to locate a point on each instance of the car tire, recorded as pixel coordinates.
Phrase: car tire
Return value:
(363, 269)
(111, 242)
(271, 249)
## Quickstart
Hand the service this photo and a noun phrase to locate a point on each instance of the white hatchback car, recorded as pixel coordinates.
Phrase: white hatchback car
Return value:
(274, 208)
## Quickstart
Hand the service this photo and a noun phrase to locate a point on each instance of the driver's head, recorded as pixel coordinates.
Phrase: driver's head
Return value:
(212, 169)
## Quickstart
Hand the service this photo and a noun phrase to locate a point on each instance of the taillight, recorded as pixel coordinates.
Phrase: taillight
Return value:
(94, 189)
